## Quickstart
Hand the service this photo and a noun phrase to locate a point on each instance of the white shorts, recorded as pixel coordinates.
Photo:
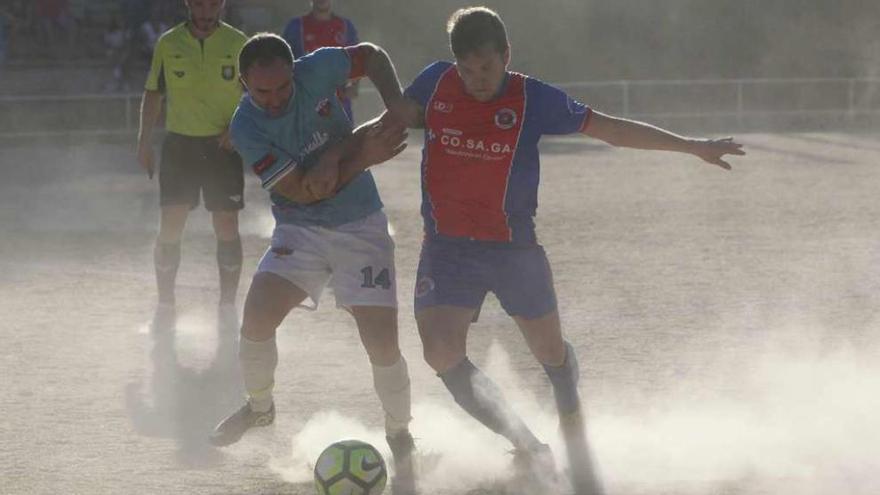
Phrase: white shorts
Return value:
(355, 259)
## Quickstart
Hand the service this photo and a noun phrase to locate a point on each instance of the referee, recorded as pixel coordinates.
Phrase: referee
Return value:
(195, 69)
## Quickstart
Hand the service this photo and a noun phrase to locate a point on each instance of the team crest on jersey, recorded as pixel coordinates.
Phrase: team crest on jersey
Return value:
(424, 286)
(340, 38)
(310, 37)
(264, 163)
(442, 106)
(228, 72)
(323, 108)
(505, 119)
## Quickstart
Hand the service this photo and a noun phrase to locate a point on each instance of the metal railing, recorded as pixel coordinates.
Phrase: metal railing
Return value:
(736, 100)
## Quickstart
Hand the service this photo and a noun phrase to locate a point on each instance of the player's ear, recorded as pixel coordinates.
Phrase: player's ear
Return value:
(506, 56)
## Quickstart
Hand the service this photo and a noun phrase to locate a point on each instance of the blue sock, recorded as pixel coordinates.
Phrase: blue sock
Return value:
(480, 397)
(565, 379)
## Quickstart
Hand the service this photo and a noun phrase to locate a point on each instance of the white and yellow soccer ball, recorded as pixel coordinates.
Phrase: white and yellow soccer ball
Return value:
(350, 467)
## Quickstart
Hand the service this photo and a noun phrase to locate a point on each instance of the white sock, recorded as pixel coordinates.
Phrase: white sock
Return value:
(258, 360)
(393, 388)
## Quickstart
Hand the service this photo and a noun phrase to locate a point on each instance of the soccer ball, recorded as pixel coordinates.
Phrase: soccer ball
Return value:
(350, 467)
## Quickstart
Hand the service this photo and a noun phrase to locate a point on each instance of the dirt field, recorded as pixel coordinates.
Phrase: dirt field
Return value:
(726, 322)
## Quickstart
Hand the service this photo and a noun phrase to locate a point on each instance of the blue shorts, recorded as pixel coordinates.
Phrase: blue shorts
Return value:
(460, 273)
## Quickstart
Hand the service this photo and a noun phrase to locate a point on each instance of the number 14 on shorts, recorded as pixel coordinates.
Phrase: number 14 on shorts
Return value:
(383, 279)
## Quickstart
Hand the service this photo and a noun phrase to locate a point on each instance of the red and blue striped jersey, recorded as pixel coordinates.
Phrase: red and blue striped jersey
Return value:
(480, 163)
(306, 34)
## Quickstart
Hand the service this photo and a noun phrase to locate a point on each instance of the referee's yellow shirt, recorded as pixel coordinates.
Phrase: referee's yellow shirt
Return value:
(199, 79)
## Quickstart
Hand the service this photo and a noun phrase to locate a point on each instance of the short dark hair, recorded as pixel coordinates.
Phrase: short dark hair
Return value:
(263, 49)
(472, 28)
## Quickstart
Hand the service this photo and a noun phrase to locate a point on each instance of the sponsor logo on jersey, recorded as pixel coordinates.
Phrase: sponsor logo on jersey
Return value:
(228, 72)
(442, 106)
(424, 286)
(505, 119)
(318, 140)
(264, 163)
(323, 108)
(477, 145)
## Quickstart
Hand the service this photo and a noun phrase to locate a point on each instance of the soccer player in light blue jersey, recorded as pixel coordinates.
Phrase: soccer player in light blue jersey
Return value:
(330, 229)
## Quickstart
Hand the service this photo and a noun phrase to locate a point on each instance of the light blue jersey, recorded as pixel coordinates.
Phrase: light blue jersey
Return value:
(275, 146)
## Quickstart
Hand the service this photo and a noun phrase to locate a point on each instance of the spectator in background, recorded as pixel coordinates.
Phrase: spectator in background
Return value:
(170, 11)
(118, 50)
(6, 26)
(52, 16)
(149, 32)
(19, 25)
(320, 28)
(136, 12)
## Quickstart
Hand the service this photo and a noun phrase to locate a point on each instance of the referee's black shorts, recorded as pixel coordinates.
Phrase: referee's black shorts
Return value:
(194, 165)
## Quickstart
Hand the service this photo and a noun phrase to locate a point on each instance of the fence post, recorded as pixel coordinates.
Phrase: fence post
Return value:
(739, 103)
(851, 100)
(127, 112)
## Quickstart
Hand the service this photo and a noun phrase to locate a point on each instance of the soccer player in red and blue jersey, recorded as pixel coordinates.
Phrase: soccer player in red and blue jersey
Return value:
(480, 174)
(321, 28)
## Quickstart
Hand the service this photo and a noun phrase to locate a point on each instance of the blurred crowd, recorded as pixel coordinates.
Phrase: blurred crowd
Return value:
(118, 33)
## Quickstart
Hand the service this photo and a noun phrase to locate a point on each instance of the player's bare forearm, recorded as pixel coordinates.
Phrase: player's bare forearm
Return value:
(337, 166)
(381, 72)
(293, 187)
(408, 114)
(627, 133)
(350, 162)
(370, 144)
(151, 107)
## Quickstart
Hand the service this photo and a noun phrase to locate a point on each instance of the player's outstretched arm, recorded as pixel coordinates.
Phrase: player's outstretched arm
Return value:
(627, 133)
(151, 107)
(371, 144)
